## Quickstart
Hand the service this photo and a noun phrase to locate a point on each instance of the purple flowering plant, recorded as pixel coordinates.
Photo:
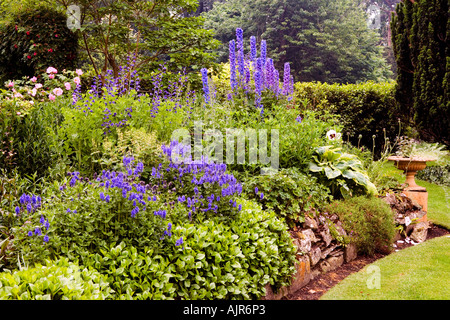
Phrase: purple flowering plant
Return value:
(204, 187)
(254, 81)
(87, 215)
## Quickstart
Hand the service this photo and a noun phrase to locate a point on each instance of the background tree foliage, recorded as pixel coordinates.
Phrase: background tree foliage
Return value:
(154, 31)
(421, 32)
(326, 41)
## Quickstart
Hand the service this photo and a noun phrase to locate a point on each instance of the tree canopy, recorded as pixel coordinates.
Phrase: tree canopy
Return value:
(326, 41)
(421, 32)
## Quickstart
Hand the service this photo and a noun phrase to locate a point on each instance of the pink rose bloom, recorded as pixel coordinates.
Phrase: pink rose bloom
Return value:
(18, 95)
(51, 97)
(51, 70)
(34, 79)
(58, 91)
(77, 80)
(51, 76)
(79, 72)
(10, 84)
(33, 92)
(38, 85)
(67, 85)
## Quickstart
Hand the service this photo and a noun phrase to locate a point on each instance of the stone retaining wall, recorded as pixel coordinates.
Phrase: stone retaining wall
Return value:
(318, 251)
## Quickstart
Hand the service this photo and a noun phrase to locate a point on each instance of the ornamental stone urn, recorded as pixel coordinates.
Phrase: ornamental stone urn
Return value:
(410, 166)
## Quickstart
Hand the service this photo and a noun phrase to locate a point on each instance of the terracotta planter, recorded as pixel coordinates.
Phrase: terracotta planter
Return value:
(410, 166)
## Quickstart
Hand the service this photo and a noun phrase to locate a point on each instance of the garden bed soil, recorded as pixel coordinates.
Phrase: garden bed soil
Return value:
(322, 283)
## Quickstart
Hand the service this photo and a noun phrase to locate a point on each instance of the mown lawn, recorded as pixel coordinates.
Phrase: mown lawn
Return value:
(421, 272)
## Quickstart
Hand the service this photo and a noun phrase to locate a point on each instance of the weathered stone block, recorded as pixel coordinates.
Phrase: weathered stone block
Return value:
(350, 252)
(420, 231)
(314, 255)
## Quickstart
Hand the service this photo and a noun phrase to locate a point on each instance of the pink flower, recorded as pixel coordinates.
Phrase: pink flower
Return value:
(38, 85)
(77, 80)
(34, 79)
(51, 76)
(79, 72)
(51, 70)
(10, 84)
(33, 92)
(18, 95)
(67, 85)
(58, 91)
(51, 97)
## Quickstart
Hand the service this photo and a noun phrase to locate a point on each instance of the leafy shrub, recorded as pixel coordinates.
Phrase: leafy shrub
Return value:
(55, 280)
(289, 193)
(110, 109)
(436, 174)
(142, 145)
(365, 108)
(214, 261)
(84, 216)
(368, 220)
(35, 39)
(29, 116)
(342, 172)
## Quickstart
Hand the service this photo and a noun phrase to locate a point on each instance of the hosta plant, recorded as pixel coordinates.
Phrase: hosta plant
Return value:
(342, 172)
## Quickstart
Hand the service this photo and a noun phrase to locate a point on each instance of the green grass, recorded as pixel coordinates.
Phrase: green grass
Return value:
(421, 272)
(438, 203)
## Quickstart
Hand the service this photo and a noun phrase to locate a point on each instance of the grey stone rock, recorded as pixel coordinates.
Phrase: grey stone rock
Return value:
(350, 252)
(310, 223)
(420, 231)
(315, 255)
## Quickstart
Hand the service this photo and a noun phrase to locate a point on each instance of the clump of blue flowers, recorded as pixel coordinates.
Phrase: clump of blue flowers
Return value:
(203, 186)
(246, 68)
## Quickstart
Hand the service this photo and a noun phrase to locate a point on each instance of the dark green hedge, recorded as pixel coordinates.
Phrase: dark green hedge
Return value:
(365, 108)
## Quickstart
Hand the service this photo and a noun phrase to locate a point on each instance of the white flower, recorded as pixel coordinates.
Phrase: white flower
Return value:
(332, 135)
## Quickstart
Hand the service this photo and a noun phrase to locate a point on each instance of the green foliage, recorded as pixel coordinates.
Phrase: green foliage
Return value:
(436, 174)
(35, 39)
(419, 33)
(289, 193)
(155, 31)
(323, 40)
(25, 143)
(81, 222)
(369, 222)
(54, 280)
(366, 109)
(142, 145)
(215, 261)
(342, 172)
